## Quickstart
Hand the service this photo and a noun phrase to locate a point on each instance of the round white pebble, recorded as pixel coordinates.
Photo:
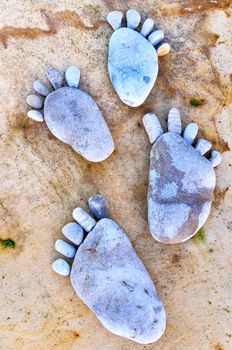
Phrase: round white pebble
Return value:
(35, 115)
(61, 267)
(65, 248)
(34, 101)
(72, 76)
(74, 232)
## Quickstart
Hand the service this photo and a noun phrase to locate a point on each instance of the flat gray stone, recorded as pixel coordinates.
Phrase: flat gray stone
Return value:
(112, 281)
(133, 66)
(98, 206)
(181, 185)
(74, 118)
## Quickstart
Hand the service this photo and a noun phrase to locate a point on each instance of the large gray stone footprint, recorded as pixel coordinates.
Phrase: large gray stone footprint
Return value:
(108, 275)
(133, 59)
(72, 115)
(181, 179)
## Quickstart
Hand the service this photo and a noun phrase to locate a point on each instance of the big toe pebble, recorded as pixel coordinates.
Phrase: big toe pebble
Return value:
(98, 206)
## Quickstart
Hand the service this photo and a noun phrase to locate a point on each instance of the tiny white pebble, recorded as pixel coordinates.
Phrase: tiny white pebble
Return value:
(41, 88)
(72, 76)
(65, 248)
(163, 49)
(84, 219)
(34, 101)
(35, 115)
(74, 232)
(156, 37)
(147, 27)
(61, 267)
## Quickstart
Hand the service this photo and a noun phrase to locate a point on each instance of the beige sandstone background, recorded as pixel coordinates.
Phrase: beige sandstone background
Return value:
(42, 179)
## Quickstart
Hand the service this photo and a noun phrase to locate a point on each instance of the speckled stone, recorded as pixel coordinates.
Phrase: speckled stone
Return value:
(181, 185)
(112, 281)
(55, 77)
(74, 118)
(133, 66)
(98, 206)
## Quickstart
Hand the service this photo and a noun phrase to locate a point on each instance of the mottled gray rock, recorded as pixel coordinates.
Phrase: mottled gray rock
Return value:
(34, 101)
(55, 77)
(133, 66)
(74, 118)
(98, 206)
(181, 185)
(74, 232)
(112, 281)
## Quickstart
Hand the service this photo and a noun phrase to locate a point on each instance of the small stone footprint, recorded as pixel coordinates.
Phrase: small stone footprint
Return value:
(133, 59)
(108, 275)
(181, 179)
(72, 115)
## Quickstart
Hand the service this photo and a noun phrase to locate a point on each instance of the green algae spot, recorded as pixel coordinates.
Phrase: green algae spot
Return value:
(200, 236)
(7, 243)
(22, 126)
(196, 102)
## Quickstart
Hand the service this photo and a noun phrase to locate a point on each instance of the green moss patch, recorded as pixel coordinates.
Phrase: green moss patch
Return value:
(196, 102)
(7, 243)
(200, 236)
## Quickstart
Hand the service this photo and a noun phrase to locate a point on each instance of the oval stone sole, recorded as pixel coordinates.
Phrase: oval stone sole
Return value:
(181, 186)
(112, 281)
(132, 65)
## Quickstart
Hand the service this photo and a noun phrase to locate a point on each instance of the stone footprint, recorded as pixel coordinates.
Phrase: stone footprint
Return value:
(133, 56)
(71, 115)
(181, 179)
(108, 275)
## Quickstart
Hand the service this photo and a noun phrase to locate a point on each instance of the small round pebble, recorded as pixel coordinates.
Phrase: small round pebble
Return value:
(35, 115)
(41, 88)
(98, 206)
(74, 232)
(65, 248)
(61, 267)
(34, 101)
(72, 76)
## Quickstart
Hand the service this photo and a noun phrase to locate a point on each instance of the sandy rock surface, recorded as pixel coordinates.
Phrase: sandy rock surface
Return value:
(43, 180)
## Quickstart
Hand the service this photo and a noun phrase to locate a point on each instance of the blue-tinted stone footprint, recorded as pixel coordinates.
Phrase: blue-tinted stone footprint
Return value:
(181, 179)
(108, 275)
(133, 58)
(72, 115)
